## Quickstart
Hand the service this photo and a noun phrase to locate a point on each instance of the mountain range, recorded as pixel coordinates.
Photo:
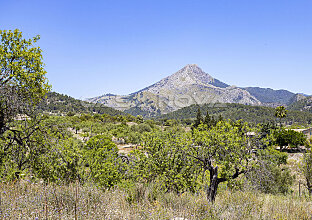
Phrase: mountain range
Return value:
(191, 85)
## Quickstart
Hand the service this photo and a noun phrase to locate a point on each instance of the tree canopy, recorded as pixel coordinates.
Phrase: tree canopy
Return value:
(22, 81)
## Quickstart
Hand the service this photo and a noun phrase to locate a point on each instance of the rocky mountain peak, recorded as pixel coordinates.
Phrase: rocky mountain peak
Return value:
(190, 85)
(189, 75)
(191, 68)
(193, 72)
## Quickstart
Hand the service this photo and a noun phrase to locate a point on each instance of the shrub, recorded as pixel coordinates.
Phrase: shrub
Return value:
(268, 174)
(101, 156)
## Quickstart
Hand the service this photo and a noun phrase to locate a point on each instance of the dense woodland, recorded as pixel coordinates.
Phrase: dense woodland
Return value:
(61, 159)
(251, 114)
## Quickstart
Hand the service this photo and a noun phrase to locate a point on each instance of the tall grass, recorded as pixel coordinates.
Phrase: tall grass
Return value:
(25, 200)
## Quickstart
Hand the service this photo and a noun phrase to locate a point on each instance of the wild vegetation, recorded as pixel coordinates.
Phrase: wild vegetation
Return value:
(72, 166)
(58, 104)
(247, 113)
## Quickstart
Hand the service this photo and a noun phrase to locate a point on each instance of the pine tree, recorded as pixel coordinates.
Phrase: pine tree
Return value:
(207, 120)
(220, 118)
(213, 122)
(199, 118)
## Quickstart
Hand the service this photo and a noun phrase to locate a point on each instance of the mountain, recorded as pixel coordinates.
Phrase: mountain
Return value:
(57, 103)
(296, 98)
(269, 96)
(190, 85)
(301, 103)
(252, 114)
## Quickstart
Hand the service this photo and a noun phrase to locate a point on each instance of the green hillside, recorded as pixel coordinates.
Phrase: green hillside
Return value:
(253, 114)
(61, 104)
(302, 105)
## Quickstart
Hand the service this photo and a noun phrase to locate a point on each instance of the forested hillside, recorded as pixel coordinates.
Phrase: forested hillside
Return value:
(304, 104)
(62, 104)
(253, 114)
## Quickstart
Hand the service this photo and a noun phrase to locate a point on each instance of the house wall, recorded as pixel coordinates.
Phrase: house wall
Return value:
(308, 132)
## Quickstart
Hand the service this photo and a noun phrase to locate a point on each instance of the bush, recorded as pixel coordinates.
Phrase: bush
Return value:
(101, 156)
(269, 175)
(306, 167)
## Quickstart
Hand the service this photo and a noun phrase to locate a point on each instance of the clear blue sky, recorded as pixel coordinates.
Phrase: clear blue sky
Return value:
(113, 46)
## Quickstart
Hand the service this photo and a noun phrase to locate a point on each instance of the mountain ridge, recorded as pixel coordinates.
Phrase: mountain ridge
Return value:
(190, 85)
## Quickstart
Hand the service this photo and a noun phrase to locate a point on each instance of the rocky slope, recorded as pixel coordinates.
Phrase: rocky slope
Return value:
(301, 103)
(190, 85)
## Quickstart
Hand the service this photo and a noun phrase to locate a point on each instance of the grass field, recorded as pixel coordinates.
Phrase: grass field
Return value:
(25, 200)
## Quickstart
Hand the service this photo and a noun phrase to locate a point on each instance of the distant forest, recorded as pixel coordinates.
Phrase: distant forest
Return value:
(253, 114)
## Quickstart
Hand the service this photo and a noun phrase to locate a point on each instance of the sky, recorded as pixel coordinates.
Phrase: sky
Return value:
(96, 47)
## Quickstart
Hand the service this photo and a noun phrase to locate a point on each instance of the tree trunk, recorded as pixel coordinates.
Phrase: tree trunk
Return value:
(1, 121)
(213, 187)
(309, 186)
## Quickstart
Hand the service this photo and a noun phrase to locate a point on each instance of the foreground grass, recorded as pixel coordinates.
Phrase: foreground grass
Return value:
(35, 201)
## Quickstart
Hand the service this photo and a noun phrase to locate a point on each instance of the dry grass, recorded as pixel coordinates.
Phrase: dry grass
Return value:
(26, 200)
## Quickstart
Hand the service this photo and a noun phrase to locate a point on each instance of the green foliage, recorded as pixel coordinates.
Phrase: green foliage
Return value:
(290, 138)
(163, 161)
(170, 122)
(172, 158)
(269, 175)
(24, 147)
(199, 118)
(59, 104)
(306, 168)
(139, 119)
(304, 104)
(250, 114)
(22, 66)
(63, 163)
(101, 156)
(224, 145)
(274, 156)
(280, 112)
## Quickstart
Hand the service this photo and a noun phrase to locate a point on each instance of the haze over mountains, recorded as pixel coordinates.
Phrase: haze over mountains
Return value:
(191, 85)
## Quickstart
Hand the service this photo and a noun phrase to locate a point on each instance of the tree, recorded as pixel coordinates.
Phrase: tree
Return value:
(163, 160)
(223, 151)
(280, 112)
(22, 80)
(207, 120)
(139, 119)
(290, 138)
(27, 146)
(199, 118)
(306, 167)
(101, 155)
(269, 174)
